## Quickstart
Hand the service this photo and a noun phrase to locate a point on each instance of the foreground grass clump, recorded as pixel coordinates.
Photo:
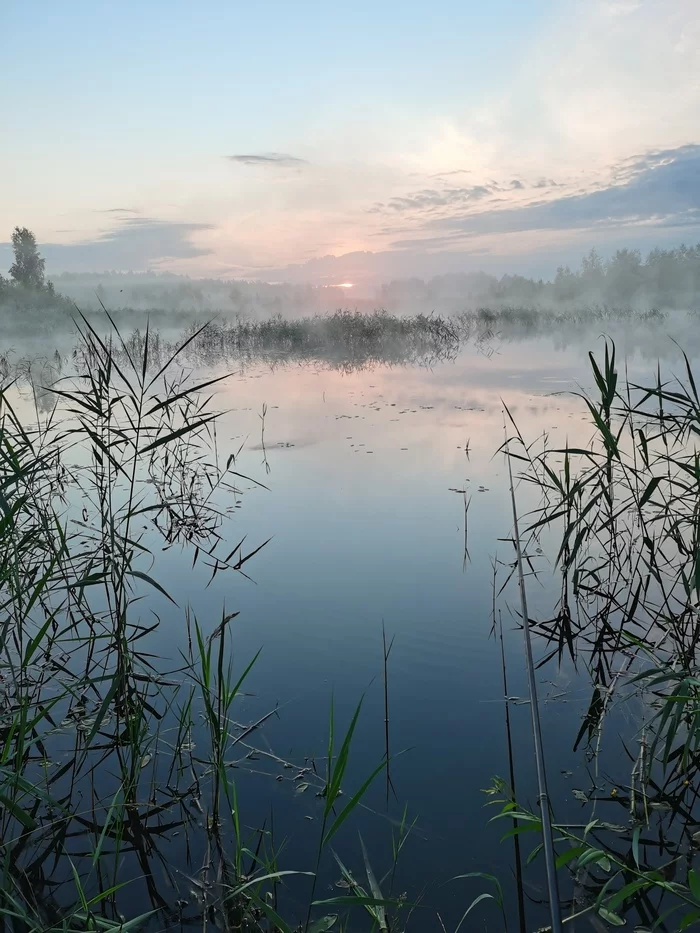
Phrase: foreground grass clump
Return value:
(116, 766)
(623, 509)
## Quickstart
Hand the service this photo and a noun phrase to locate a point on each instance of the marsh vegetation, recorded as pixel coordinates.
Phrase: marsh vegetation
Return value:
(141, 733)
(111, 760)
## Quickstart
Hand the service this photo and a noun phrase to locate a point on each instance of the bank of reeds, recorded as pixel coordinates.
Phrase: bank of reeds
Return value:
(118, 793)
(107, 756)
(345, 340)
(624, 510)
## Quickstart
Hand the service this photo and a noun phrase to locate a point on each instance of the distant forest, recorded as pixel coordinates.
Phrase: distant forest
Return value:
(663, 279)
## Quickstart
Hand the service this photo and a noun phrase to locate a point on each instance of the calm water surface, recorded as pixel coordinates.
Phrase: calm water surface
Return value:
(368, 530)
(365, 514)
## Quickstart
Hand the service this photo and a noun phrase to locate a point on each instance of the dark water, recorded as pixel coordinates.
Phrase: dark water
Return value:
(366, 516)
(367, 530)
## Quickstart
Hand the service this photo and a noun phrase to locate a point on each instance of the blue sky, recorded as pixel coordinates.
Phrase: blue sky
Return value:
(316, 141)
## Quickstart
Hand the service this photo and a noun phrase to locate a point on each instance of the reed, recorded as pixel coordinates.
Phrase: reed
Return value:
(111, 757)
(623, 513)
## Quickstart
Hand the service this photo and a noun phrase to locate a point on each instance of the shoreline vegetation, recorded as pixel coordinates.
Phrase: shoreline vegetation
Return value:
(346, 340)
(625, 282)
(626, 511)
(663, 278)
(99, 767)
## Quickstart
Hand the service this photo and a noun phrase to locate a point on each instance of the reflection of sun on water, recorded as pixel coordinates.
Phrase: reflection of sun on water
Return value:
(344, 285)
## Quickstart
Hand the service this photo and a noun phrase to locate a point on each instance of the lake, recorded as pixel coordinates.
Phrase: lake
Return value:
(384, 498)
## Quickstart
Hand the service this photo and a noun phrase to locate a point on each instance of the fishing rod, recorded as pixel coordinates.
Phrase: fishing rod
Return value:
(542, 795)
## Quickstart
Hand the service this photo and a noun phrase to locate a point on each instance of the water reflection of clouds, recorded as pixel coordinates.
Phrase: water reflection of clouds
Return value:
(425, 415)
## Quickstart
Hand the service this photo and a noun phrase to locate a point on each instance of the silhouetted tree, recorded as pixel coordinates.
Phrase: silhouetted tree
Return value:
(28, 267)
(592, 273)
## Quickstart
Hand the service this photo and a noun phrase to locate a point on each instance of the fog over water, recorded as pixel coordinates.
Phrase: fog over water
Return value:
(661, 279)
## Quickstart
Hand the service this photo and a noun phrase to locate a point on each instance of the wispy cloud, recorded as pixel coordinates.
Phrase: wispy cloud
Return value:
(432, 242)
(430, 198)
(635, 165)
(137, 243)
(268, 160)
(117, 210)
(663, 188)
(456, 171)
(448, 199)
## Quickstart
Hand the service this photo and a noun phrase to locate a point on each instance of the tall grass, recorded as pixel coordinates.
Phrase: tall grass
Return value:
(111, 758)
(344, 340)
(624, 509)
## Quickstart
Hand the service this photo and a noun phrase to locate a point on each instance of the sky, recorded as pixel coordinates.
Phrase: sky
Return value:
(348, 143)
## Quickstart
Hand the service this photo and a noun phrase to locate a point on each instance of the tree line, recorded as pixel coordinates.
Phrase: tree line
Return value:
(665, 278)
